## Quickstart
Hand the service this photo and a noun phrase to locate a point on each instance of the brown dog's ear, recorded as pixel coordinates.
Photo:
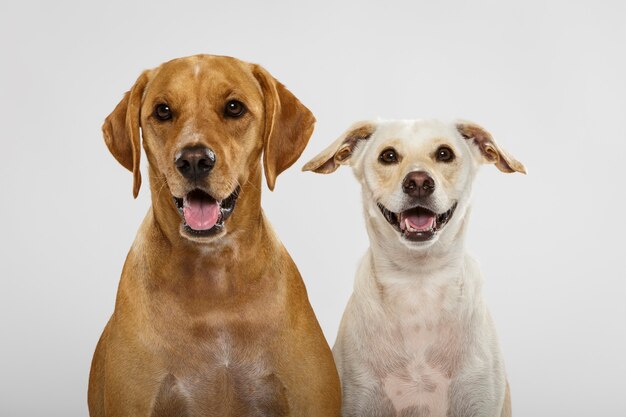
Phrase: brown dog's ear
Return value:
(340, 151)
(121, 130)
(490, 151)
(288, 126)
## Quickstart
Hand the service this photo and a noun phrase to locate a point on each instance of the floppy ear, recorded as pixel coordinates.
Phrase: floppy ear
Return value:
(490, 151)
(121, 130)
(340, 151)
(288, 126)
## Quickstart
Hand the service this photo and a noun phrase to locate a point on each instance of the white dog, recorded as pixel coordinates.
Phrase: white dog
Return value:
(416, 338)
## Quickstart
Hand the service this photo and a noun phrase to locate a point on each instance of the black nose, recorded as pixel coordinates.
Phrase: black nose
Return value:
(418, 184)
(195, 163)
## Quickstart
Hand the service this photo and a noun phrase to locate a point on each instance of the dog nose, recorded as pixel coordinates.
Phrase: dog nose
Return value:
(418, 184)
(195, 163)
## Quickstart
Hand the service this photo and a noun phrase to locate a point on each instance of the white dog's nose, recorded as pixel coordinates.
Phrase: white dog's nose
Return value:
(418, 184)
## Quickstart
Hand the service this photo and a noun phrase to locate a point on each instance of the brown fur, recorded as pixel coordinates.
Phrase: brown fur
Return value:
(218, 326)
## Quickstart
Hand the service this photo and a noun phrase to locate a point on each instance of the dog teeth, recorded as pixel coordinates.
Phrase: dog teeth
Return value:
(410, 229)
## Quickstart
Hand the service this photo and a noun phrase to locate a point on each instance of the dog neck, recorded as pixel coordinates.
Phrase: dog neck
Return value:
(424, 286)
(390, 254)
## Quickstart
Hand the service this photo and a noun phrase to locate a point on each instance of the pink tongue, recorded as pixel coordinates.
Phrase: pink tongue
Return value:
(419, 221)
(201, 213)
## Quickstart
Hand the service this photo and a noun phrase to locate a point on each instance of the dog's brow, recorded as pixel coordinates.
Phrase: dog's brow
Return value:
(233, 93)
(163, 97)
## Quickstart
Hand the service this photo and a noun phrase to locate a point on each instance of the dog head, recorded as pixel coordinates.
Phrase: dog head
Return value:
(205, 121)
(416, 175)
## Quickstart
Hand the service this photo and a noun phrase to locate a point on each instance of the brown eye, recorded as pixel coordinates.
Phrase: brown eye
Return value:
(444, 154)
(388, 156)
(163, 112)
(234, 108)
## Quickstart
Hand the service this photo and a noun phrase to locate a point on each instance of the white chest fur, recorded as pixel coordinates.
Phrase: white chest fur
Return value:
(423, 337)
(419, 381)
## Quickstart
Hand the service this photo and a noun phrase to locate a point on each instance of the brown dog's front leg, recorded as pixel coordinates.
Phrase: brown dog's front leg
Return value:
(169, 401)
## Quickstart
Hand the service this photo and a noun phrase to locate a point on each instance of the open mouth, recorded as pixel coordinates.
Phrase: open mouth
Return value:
(417, 224)
(202, 214)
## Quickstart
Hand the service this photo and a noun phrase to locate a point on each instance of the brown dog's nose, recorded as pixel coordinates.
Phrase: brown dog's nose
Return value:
(418, 184)
(195, 163)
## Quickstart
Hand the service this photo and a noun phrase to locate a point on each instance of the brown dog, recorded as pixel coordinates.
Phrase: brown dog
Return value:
(212, 317)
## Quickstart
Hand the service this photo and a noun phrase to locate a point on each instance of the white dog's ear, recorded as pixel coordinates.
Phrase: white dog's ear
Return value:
(491, 152)
(340, 151)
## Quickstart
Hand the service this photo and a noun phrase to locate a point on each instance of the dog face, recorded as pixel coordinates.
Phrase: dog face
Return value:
(205, 121)
(416, 175)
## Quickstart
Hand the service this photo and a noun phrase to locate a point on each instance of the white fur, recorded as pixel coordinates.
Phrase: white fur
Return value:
(416, 302)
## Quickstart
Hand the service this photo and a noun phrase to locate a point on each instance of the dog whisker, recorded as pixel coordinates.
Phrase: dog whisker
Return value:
(163, 180)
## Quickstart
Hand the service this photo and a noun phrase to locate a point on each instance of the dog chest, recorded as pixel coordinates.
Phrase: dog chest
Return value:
(226, 377)
(423, 371)
(411, 368)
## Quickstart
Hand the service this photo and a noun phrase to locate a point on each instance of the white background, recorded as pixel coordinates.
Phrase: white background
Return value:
(547, 78)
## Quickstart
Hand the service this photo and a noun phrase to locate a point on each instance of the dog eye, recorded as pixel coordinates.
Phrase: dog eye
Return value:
(444, 154)
(388, 156)
(163, 112)
(234, 108)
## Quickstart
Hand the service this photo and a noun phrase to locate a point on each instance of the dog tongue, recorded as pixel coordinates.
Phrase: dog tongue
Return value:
(420, 220)
(201, 212)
